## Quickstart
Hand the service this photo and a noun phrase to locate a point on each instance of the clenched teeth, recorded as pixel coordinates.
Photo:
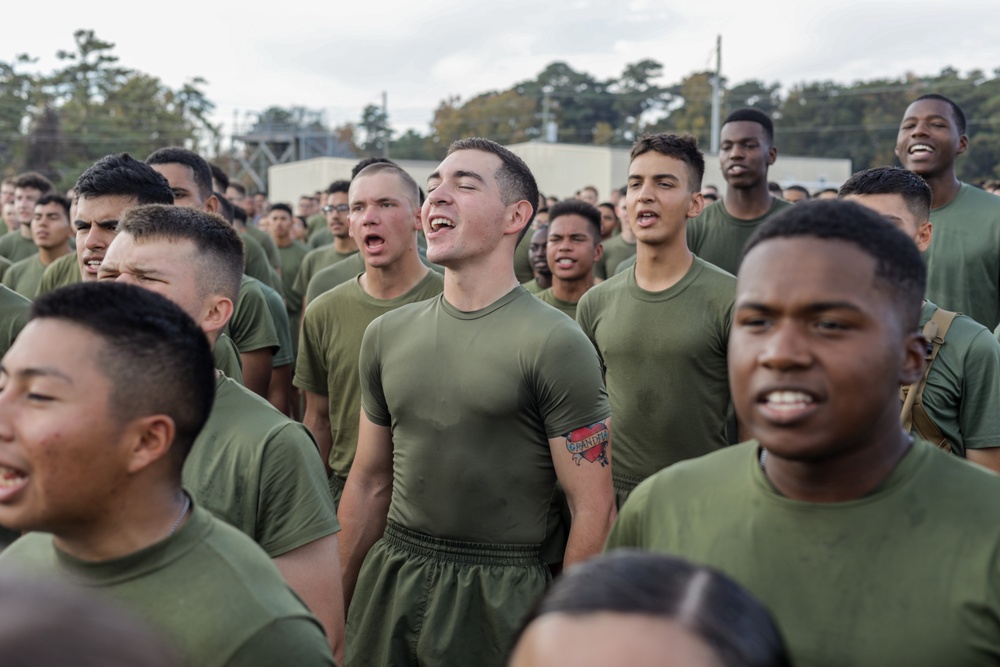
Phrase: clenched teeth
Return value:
(923, 148)
(788, 398)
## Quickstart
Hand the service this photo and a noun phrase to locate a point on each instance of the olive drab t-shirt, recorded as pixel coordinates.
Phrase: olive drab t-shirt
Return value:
(472, 399)
(283, 327)
(907, 575)
(333, 275)
(718, 238)
(568, 307)
(522, 258)
(267, 243)
(616, 251)
(15, 247)
(260, 472)
(227, 358)
(251, 326)
(963, 260)
(315, 261)
(25, 276)
(332, 329)
(962, 394)
(64, 271)
(533, 287)
(256, 264)
(664, 355)
(207, 590)
(291, 258)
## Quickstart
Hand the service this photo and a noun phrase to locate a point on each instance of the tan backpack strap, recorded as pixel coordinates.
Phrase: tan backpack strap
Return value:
(913, 415)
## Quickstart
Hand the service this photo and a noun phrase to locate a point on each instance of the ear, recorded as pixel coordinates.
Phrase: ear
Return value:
(598, 251)
(212, 204)
(217, 315)
(915, 352)
(963, 144)
(923, 238)
(417, 219)
(697, 204)
(520, 215)
(150, 439)
(772, 155)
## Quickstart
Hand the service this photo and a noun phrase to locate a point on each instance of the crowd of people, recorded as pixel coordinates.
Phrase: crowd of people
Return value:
(376, 428)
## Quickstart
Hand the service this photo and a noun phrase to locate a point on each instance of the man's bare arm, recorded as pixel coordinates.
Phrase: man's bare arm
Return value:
(313, 571)
(988, 457)
(257, 370)
(582, 460)
(317, 420)
(365, 503)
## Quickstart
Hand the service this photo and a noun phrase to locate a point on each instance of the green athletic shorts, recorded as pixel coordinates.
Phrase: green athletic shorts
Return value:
(624, 485)
(422, 600)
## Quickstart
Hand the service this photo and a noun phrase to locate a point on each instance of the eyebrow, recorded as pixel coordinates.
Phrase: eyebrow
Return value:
(461, 173)
(819, 307)
(668, 177)
(930, 117)
(41, 371)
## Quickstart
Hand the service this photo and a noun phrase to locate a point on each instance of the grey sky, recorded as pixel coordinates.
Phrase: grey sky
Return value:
(339, 56)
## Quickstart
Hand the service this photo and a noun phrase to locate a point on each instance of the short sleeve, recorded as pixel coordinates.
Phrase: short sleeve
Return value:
(570, 388)
(311, 370)
(370, 371)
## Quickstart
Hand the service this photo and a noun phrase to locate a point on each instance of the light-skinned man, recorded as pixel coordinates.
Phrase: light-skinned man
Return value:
(661, 326)
(469, 458)
(16, 244)
(251, 466)
(50, 232)
(385, 217)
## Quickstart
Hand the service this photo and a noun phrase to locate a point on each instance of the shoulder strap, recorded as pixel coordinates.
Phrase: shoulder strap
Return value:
(914, 415)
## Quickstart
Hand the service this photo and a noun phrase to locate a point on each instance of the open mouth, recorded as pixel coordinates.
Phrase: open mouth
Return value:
(920, 149)
(565, 262)
(437, 224)
(374, 242)
(786, 405)
(12, 480)
(92, 265)
(646, 218)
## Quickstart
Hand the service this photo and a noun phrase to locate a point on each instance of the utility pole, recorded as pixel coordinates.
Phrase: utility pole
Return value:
(385, 124)
(545, 114)
(716, 94)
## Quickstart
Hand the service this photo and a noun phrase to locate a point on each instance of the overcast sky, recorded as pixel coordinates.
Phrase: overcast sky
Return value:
(339, 56)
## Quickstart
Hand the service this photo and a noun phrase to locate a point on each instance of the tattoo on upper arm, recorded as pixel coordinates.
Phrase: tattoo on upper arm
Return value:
(589, 443)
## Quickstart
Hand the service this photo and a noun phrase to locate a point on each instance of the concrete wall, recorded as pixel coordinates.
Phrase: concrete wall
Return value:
(561, 169)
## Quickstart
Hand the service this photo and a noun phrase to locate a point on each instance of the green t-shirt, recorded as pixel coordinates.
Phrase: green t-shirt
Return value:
(522, 258)
(963, 260)
(533, 287)
(13, 316)
(267, 243)
(616, 251)
(718, 238)
(962, 394)
(321, 238)
(472, 399)
(664, 355)
(567, 307)
(64, 271)
(907, 575)
(251, 326)
(328, 278)
(25, 276)
(227, 358)
(260, 472)
(256, 264)
(316, 223)
(4, 265)
(15, 247)
(291, 258)
(332, 329)
(285, 354)
(315, 261)
(215, 597)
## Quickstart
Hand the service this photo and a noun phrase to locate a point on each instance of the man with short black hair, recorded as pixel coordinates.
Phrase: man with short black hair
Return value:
(104, 192)
(746, 151)
(537, 247)
(101, 404)
(572, 247)
(893, 541)
(340, 246)
(961, 394)
(667, 316)
(16, 244)
(50, 232)
(473, 404)
(793, 194)
(963, 260)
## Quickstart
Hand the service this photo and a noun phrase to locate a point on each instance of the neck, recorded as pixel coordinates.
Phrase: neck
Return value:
(572, 290)
(627, 234)
(661, 267)
(127, 526)
(944, 187)
(389, 282)
(848, 477)
(748, 203)
(544, 280)
(344, 244)
(283, 242)
(470, 287)
(25, 229)
(49, 255)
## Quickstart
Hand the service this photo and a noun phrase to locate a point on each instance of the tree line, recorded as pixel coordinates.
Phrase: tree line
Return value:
(61, 122)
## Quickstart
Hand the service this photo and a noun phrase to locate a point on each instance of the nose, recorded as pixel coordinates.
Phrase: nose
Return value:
(785, 348)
